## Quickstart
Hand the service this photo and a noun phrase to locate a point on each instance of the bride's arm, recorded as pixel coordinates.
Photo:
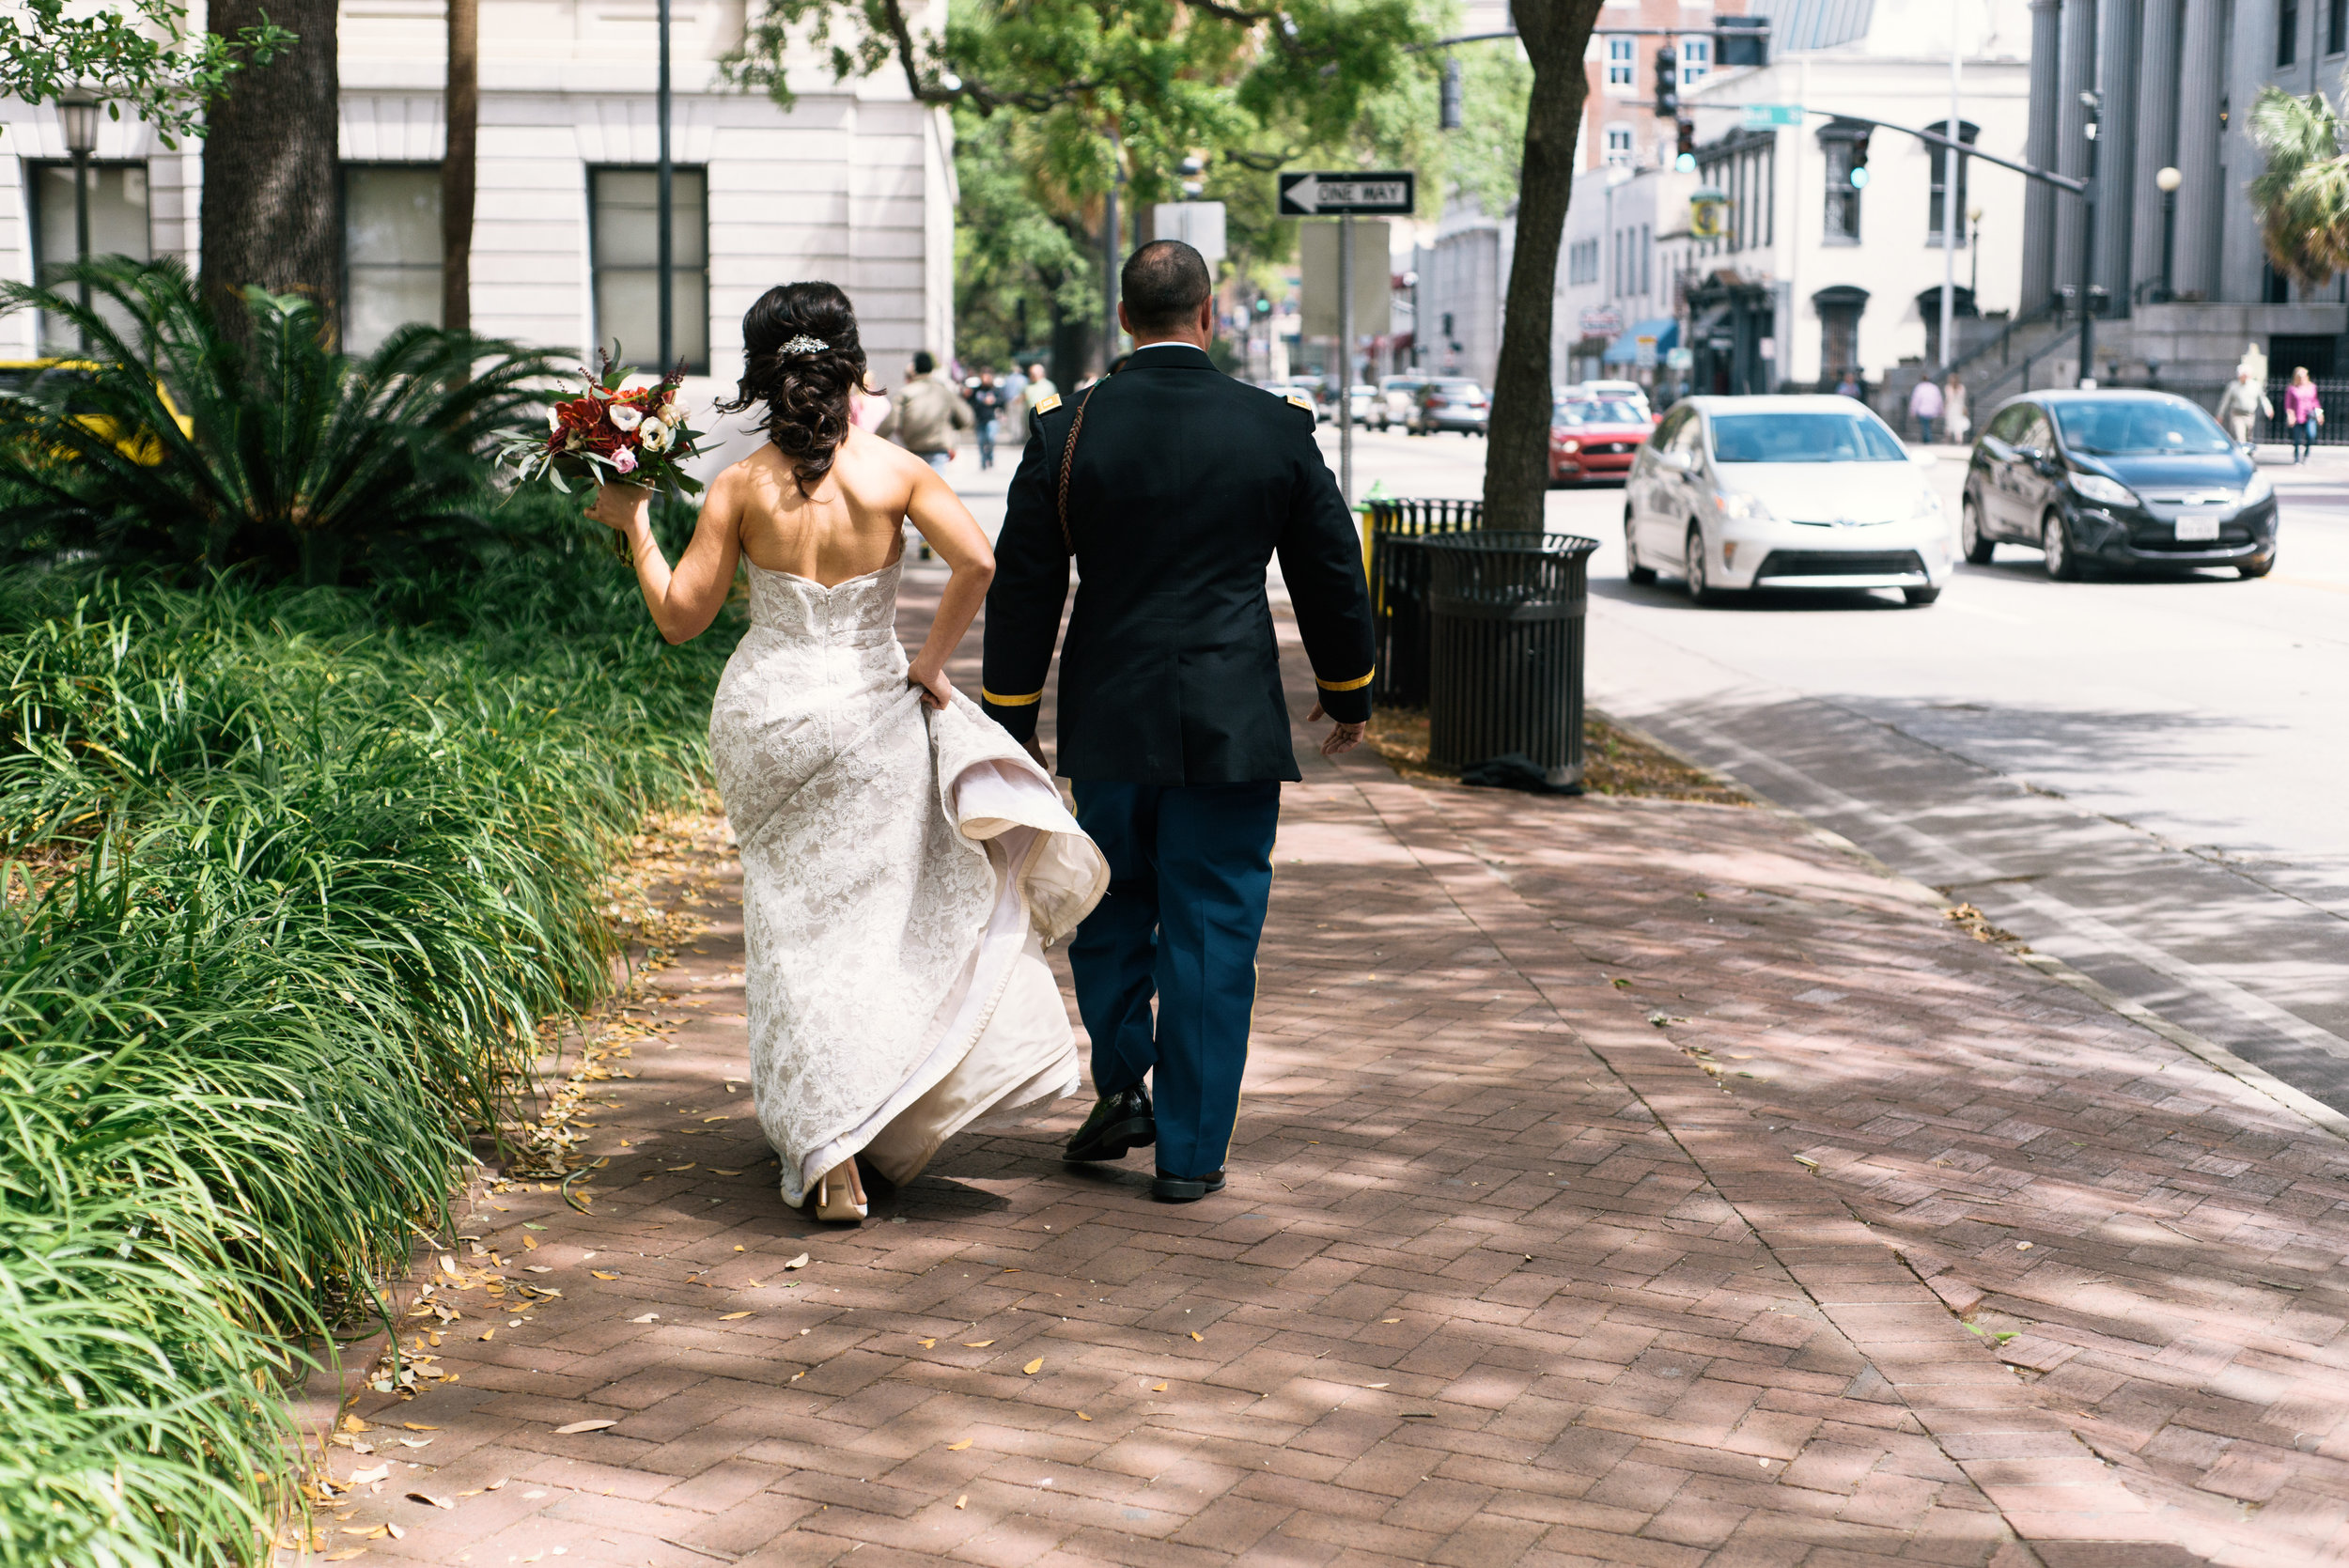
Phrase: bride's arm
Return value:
(683, 602)
(954, 532)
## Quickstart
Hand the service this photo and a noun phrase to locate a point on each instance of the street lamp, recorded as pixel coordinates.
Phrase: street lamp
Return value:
(77, 107)
(1973, 283)
(2169, 180)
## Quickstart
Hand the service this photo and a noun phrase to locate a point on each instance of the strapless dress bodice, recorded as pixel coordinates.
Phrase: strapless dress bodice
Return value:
(860, 613)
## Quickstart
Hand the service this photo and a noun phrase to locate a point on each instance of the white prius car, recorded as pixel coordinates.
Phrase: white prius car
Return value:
(1783, 492)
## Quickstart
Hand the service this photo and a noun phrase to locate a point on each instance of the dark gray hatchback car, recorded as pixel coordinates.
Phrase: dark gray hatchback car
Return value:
(2122, 478)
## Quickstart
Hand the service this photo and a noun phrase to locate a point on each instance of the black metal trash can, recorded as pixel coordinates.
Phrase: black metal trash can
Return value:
(1397, 566)
(1505, 615)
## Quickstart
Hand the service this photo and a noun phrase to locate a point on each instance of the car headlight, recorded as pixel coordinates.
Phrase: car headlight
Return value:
(2103, 492)
(1569, 446)
(2258, 490)
(1737, 504)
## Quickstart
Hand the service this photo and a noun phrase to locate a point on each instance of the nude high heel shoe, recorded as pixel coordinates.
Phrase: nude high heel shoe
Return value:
(839, 1196)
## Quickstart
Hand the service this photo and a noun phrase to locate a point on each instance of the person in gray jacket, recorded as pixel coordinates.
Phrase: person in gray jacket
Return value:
(925, 414)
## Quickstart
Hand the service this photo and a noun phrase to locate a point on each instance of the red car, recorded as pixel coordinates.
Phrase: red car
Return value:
(1594, 439)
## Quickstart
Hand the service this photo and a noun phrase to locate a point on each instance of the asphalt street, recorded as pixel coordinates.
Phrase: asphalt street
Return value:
(2142, 777)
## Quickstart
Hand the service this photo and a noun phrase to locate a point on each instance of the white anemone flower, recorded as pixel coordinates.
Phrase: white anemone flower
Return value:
(654, 435)
(554, 416)
(625, 416)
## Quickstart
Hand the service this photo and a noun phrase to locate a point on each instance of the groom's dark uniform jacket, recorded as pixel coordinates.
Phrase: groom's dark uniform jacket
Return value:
(1185, 482)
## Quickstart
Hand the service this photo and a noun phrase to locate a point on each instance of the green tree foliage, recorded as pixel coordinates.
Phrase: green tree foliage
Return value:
(1057, 100)
(270, 451)
(2302, 195)
(142, 57)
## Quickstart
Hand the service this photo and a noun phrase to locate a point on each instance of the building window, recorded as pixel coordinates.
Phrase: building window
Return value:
(1619, 147)
(1621, 61)
(392, 249)
(2287, 32)
(1843, 201)
(2336, 26)
(1647, 258)
(624, 205)
(1939, 156)
(118, 226)
(1838, 311)
(1696, 60)
(1582, 261)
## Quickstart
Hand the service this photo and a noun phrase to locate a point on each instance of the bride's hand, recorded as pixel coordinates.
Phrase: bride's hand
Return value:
(936, 690)
(619, 508)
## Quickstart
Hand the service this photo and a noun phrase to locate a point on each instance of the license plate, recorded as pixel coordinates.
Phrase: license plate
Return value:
(2197, 528)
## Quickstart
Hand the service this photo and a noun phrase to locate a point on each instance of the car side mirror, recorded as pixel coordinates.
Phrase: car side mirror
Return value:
(1997, 449)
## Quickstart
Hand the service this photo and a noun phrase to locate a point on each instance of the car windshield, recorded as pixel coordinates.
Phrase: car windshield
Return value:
(1806, 437)
(1611, 412)
(2135, 427)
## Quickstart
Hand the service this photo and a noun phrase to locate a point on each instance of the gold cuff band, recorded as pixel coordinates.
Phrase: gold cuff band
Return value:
(1346, 685)
(1028, 701)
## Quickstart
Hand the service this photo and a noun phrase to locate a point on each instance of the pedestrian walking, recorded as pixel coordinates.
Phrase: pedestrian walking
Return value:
(2303, 414)
(1173, 486)
(1957, 422)
(1847, 385)
(987, 408)
(925, 414)
(1924, 406)
(2242, 405)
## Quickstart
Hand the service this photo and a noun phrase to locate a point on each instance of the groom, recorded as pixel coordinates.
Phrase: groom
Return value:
(1173, 484)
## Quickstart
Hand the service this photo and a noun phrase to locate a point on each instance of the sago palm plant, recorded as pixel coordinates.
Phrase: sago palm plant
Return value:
(181, 441)
(2302, 197)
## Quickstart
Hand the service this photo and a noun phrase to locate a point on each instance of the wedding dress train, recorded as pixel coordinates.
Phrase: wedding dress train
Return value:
(901, 869)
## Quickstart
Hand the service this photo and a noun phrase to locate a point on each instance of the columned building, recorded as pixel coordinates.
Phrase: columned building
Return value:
(2174, 82)
(853, 183)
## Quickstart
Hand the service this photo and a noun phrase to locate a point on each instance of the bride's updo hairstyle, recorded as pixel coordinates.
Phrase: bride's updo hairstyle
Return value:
(801, 359)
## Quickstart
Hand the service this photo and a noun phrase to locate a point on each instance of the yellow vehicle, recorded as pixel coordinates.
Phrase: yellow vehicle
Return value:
(18, 378)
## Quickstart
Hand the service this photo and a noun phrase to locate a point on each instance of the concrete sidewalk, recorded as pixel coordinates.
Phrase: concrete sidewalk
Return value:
(1619, 1182)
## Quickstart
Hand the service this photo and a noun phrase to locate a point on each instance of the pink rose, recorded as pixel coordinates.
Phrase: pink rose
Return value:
(624, 460)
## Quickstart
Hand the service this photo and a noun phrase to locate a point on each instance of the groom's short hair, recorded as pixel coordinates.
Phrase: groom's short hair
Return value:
(1164, 284)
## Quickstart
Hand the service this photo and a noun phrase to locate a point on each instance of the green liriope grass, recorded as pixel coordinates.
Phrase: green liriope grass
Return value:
(329, 858)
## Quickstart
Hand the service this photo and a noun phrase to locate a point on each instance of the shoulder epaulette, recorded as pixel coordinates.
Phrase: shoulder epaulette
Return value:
(1301, 401)
(1048, 404)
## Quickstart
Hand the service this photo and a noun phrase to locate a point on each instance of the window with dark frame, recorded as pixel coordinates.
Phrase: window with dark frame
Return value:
(2336, 26)
(1938, 157)
(2287, 32)
(118, 226)
(625, 247)
(391, 251)
(1743, 170)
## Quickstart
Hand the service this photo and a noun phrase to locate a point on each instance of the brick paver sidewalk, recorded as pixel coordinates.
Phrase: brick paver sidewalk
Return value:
(1619, 1182)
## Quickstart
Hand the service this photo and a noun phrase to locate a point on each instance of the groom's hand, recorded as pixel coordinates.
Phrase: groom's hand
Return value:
(1344, 737)
(1036, 750)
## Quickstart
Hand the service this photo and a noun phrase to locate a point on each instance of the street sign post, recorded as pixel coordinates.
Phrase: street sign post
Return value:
(1319, 194)
(1769, 116)
(1310, 194)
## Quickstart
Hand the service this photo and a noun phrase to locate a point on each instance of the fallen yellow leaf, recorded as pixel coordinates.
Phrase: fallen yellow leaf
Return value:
(488, 1333)
(1082, 1416)
(352, 1423)
(976, 1344)
(1390, 1320)
(957, 1448)
(729, 1317)
(1033, 1367)
(373, 1532)
(675, 1169)
(927, 1343)
(800, 1261)
(738, 1247)
(715, 1172)
(345, 1555)
(413, 1426)
(583, 1426)
(960, 1501)
(530, 1243)
(428, 1498)
(602, 1275)
(1197, 1335)
(1158, 1387)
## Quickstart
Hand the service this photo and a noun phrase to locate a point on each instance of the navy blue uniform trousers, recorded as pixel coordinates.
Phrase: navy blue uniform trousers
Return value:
(1190, 871)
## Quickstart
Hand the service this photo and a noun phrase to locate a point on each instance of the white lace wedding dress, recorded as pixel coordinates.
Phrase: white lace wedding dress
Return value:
(901, 868)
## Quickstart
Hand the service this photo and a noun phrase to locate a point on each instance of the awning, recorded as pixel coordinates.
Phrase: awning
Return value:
(1665, 330)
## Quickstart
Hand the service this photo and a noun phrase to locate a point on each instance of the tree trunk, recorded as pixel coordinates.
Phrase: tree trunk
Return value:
(1516, 458)
(456, 164)
(273, 202)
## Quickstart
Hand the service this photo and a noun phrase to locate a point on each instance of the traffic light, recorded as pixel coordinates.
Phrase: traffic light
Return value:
(1448, 106)
(1667, 83)
(1860, 162)
(1191, 168)
(1684, 155)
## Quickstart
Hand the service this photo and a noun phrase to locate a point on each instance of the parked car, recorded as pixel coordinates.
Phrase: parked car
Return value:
(2122, 478)
(1594, 439)
(65, 378)
(1365, 404)
(1399, 399)
(1783, 492)
(1452, 403)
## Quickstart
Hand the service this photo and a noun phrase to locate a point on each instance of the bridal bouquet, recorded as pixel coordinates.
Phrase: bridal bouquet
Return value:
(607, 435)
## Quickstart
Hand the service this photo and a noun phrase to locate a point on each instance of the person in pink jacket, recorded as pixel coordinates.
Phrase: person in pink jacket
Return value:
(2303, 414)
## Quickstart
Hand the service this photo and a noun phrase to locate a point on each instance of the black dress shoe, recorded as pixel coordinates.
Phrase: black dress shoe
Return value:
(1186, 1189)
(1119, 1122)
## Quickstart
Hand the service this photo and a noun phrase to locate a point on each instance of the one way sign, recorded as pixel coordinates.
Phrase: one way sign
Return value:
(1322, 194)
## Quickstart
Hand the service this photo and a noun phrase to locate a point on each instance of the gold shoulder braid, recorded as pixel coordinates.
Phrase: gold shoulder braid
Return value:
(1068, 457)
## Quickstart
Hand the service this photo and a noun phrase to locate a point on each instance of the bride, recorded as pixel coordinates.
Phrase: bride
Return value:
(903, 859)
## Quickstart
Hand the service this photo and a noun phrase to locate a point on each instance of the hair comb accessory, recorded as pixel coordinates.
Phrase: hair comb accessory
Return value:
(805, 345)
